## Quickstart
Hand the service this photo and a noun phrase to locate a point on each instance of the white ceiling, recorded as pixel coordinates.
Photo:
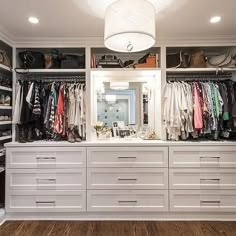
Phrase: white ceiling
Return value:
(73, 18)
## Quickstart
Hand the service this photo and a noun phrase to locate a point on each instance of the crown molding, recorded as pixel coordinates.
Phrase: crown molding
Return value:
(59, 42)
(6, 36)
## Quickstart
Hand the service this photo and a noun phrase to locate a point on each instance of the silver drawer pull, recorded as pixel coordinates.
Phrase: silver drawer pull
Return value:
(45, 202)
(46, 158)
(210, 202)
(127, 157)
(210, 157)
(51, 180)
(128, 201)
(210, 179)
(122, 179)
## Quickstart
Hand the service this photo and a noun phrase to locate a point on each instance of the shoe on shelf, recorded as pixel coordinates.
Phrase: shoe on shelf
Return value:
(2, 99)
(7, 101)
(71, 136)
(2, 118)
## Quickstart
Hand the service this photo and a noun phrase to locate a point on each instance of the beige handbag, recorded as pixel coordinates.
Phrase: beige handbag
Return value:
(198, 59)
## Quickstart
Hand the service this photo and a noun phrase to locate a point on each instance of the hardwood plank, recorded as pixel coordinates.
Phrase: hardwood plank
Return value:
(116, 228)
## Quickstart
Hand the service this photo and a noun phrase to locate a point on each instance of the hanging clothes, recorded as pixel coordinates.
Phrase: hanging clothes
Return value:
(50, 110)
(199, 109)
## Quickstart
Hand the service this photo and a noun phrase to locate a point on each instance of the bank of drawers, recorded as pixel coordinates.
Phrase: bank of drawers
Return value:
(127, 179)
(202, 178)
(46, 179)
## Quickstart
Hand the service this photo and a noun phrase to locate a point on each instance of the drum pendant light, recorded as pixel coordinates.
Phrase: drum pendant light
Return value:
(130, 26)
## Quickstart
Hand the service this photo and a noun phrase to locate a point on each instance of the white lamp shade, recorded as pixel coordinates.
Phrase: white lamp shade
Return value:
(130, 26)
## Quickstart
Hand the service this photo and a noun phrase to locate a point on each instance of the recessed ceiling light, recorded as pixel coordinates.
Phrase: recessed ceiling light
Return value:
(215, 19)
(33, 20)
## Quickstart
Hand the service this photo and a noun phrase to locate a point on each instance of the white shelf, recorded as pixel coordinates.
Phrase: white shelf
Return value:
(5, 68)
(123, 73)
(5, 122)
(51, 71)
(5, 88)
(5, 107)
(182, 70)
(5, 137)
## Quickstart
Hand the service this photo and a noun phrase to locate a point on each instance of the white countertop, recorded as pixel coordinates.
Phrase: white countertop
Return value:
(119, 143)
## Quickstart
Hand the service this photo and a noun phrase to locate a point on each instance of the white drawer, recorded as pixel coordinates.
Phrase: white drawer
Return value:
(51, 179)
(46, 201)
(202, 178)
(46, 157)
(202, 156)
(127, 200)
(203, 200)
(127, 178)
(128, 157)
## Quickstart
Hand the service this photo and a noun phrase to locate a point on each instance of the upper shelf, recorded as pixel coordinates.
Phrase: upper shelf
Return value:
(51, 71)
(182, 70)
(6, 68)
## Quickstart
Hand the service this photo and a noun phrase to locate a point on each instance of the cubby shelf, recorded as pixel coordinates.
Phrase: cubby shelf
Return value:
(192, 70)
(5, 137)
(5, 107)
(5, 122)
(5, 88)
(51, 71)
(6, 68)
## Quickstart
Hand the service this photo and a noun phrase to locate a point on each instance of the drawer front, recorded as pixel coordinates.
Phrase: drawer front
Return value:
(46, 201)
(127, 200)
(202, 178)
(46, 157)
(127, 178)
(203, 200)
(51, 179)
(128, 157)
(202, 156)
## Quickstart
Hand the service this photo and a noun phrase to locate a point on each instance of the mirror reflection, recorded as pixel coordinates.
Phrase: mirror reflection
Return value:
(123, 106)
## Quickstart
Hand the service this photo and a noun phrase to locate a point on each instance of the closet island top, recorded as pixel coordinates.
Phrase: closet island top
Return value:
(120, 143)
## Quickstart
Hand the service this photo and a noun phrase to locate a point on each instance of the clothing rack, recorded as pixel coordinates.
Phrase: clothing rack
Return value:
(55, 78)
(198, 77)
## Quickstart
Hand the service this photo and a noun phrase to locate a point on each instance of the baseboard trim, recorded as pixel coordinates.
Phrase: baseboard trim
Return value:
(121, 216)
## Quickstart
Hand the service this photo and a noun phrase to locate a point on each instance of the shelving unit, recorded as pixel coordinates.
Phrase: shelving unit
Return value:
(5, 137)
(5, 122)
(189, 70)
(5, 107)
(51, 71)
(5, 88)
(5, 68)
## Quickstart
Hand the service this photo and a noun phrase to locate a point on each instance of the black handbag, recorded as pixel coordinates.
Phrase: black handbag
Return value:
(32, 60)
(72, 61)
(173, 60)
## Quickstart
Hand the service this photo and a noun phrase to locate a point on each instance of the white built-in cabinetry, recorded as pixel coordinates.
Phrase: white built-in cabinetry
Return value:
(93, 179)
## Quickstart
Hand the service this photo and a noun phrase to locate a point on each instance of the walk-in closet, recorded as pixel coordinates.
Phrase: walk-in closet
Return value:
(117, 111)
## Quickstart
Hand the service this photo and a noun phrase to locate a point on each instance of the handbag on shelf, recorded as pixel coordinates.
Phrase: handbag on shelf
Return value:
(198, 59)
(173, 60)
(72, 61)
(32, 60)
(4, 59)
(223, 60)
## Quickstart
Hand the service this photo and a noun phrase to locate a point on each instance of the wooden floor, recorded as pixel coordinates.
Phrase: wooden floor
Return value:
(41, 228)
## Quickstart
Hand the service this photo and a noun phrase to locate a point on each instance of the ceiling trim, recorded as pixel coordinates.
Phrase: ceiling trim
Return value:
(6, 36)
(227, 40)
